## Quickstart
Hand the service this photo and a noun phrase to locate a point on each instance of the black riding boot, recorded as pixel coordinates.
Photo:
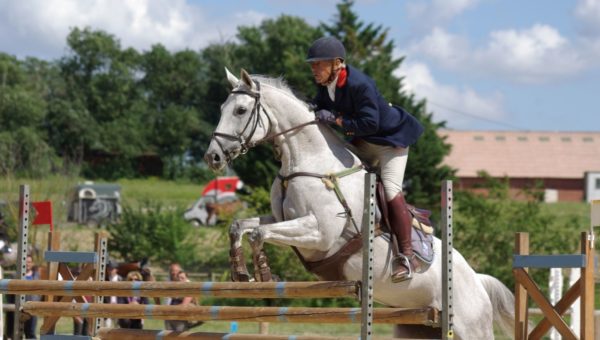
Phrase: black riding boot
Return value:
(400, 218)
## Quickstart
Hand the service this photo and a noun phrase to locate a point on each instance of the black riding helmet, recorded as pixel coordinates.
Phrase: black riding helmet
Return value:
(326, 48)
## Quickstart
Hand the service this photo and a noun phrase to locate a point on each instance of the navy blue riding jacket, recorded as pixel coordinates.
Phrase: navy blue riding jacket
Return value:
(367, 115)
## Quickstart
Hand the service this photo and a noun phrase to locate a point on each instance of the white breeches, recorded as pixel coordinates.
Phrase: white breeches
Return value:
(390, 161)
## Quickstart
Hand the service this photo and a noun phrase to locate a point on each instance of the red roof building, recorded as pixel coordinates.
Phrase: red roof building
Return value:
(567, 163)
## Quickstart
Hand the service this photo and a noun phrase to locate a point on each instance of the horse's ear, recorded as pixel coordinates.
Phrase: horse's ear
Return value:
(247, 80)
(231, 78)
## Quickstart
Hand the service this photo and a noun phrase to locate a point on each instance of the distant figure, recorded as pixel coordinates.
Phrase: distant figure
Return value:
(111, 276)
(31, 273)
(135, 300)
(181, 325)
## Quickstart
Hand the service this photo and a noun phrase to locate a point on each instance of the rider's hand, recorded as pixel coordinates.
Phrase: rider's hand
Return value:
(326, 116)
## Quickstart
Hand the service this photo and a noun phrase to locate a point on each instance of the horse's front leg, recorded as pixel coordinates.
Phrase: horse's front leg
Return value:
(301, 232)
(262, 271)
(238, 228)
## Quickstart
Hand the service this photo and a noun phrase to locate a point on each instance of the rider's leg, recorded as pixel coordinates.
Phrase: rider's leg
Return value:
(393, 164)
(401, 225)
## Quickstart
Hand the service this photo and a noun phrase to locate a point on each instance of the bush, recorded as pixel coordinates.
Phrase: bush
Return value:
(156, 233)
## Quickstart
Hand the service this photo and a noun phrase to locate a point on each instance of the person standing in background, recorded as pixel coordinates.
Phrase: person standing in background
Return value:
(31, 273)
(112, 275)
(132, 300)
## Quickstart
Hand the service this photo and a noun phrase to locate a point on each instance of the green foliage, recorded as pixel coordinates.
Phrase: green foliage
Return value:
(154, 232)
(102, 107)
(485, 227)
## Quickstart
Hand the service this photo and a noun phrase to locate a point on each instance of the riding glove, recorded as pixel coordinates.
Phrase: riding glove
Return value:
(326, 116)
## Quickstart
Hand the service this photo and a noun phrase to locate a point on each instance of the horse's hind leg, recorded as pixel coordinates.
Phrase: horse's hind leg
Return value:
(239, 271)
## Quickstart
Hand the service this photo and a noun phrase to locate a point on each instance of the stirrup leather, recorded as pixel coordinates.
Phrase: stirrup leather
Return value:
(405, 261)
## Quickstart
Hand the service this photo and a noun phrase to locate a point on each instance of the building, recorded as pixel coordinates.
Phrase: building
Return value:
(566, 163)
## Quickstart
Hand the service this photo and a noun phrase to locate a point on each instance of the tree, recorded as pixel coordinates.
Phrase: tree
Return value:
(24, 146)
(174, 87)
(102, 96)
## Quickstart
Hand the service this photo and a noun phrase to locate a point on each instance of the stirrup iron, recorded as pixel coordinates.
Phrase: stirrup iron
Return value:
(404, 260)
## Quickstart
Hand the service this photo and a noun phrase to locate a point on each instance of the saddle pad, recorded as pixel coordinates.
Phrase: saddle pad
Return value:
(422, 244)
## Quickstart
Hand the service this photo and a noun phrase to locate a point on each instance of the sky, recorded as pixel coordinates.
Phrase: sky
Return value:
(481, 64)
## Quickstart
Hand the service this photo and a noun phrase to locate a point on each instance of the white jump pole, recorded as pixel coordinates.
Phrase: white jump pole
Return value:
(555, 287)
(576, 306)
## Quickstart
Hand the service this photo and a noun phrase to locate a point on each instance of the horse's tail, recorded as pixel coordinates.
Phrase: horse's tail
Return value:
(503, 303)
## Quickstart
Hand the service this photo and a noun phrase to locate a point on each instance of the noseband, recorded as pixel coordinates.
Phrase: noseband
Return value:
(252, 125)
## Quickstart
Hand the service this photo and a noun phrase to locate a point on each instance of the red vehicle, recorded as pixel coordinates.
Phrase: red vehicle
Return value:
(218, 198)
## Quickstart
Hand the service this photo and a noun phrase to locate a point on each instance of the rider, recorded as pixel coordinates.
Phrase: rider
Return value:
(382, 133)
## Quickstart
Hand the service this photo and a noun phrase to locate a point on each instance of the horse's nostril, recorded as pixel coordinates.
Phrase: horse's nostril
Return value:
(212, 158)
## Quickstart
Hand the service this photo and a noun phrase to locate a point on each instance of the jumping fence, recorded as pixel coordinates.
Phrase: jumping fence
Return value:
(77, 289)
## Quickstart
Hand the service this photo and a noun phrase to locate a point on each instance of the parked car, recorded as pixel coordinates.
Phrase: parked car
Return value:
(218, 199)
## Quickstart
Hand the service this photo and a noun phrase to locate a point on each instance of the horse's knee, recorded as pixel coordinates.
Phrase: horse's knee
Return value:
(256, 238)
(234, 230)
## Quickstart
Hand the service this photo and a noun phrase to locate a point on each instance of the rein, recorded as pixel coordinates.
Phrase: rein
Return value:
(330, 180)
(245, 142)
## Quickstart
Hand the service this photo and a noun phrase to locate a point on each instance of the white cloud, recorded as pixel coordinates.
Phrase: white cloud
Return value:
(460, 108)
(536, 54)
(426, 14)
(588, 14)
(35, 27)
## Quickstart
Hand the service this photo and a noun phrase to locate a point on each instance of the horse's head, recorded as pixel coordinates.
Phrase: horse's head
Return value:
(243, 122)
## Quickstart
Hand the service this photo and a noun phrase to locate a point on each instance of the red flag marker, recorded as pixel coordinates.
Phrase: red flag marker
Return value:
(43, 213)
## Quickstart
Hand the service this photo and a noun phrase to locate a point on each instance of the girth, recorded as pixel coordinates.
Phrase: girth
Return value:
(330, 268)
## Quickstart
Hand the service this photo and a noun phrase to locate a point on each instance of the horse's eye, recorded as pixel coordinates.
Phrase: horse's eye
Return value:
(240, 110)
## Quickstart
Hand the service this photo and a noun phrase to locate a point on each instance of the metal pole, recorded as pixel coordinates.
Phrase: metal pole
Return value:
(447, 312)
(102, 250)
(368, 233)
(24, 199)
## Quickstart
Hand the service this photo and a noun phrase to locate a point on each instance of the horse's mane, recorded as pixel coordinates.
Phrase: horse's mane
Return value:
(281, 84)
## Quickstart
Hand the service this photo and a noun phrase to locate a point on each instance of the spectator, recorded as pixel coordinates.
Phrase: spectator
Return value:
(181, 325)
(174, 270)
(132, 323)
(112, 275)
(31, 273)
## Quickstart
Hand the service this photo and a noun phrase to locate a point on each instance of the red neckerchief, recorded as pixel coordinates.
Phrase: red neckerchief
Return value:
(342, 77)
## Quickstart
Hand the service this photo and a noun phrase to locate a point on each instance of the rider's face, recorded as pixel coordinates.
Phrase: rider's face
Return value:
(321, 70)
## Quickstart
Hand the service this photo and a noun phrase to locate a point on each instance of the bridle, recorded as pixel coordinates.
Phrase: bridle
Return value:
(252, 124)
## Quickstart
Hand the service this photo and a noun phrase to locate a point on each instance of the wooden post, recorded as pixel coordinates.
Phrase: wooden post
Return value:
(521, 248)
(587, 287)
(422, 316)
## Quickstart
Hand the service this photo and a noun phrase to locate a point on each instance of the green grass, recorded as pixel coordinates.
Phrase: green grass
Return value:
(59, 190)
(169, 193)
(65, 326)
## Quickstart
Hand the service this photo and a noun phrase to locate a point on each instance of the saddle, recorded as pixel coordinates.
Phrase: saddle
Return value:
(422, 231)
(331, 268)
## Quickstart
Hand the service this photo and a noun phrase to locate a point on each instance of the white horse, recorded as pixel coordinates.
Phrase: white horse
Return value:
(307, 215)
